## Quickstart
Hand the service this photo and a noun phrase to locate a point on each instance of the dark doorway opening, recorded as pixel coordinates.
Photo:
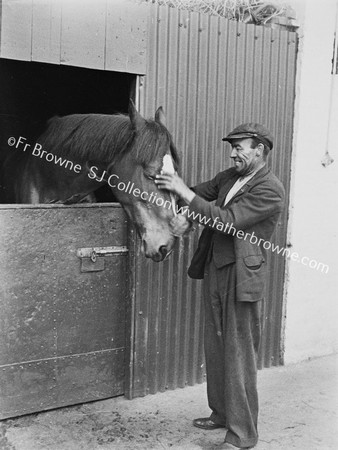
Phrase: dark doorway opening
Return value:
(31, 93)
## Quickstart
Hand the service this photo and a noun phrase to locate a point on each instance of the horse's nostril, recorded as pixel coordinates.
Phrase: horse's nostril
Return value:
(163, 250)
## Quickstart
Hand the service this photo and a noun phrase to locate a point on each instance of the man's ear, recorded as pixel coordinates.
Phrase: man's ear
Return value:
(260, 149)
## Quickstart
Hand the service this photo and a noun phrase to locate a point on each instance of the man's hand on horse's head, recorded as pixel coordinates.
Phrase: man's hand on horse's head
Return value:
(175, 184)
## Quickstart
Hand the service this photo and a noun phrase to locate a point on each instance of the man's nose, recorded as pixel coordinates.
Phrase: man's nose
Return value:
(233, 153)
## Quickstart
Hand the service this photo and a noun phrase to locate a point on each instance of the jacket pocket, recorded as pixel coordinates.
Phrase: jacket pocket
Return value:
(253, 262)
(251, 278)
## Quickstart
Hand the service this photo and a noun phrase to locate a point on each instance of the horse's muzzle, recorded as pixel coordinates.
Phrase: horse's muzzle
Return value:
(161, 255)
(157, 254)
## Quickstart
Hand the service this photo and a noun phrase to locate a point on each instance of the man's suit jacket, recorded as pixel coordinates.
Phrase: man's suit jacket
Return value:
(238, 230)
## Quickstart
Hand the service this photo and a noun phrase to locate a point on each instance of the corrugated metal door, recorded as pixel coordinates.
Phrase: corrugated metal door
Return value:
(63, 318)
(210, 74)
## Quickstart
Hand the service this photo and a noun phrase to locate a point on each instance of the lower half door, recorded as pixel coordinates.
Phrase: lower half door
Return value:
(62, 315)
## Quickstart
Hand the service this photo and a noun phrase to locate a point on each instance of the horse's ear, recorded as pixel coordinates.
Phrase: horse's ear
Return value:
(159, 116)
(135, 117)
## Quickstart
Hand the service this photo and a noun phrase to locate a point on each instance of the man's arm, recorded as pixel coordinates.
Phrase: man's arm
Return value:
(208, 190)
(263, 201)
(172, 182)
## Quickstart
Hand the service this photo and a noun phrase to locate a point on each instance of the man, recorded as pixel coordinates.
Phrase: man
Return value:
(230, 257)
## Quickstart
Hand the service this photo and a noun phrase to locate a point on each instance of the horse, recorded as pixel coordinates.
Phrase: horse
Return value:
(78, 153)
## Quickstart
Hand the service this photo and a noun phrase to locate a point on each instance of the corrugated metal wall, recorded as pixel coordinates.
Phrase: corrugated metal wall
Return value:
(209, 74)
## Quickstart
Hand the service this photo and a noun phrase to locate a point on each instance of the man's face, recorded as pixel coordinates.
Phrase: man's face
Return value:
(246, 159)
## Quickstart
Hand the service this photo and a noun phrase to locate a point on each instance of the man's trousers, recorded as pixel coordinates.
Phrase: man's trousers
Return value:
(231, 340)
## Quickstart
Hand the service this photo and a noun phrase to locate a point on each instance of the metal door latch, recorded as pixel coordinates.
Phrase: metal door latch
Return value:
(92, 258)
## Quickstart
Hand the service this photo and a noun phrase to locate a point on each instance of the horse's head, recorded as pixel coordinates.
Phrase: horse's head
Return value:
(150, 150)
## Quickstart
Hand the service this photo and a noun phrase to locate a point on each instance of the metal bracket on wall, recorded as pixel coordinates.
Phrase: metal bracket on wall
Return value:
(93, 258)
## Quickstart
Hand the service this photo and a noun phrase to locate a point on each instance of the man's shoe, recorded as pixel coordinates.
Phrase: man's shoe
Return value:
(206, 424)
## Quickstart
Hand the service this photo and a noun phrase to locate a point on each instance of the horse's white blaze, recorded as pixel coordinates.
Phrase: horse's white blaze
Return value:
(168, 167)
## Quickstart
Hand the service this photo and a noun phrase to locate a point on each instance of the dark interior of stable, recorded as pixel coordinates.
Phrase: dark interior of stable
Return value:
(31, 93)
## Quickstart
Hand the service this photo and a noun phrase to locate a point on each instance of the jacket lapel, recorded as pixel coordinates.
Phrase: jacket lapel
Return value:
(225, 189)
(260, 174)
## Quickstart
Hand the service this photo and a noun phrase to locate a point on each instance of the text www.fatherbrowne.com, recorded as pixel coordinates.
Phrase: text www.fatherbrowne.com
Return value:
(229, 228)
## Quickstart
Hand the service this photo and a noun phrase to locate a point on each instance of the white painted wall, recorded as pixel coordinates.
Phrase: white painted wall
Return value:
(311, 295)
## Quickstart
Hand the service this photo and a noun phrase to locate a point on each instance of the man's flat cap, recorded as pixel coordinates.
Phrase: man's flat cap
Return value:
(250, 130)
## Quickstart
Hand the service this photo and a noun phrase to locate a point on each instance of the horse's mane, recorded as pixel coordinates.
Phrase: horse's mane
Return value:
(106, 138)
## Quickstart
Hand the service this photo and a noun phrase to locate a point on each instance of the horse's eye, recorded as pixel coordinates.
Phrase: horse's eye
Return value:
(150, 177)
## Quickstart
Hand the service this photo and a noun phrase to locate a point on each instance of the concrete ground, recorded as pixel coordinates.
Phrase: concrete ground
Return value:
(298, 410)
